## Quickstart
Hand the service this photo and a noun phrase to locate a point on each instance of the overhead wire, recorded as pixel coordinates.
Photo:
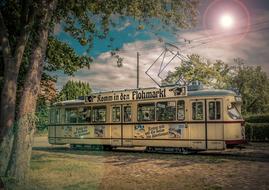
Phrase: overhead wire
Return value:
(200, 41)
(202, 38)
(204, 41)
(210, 41)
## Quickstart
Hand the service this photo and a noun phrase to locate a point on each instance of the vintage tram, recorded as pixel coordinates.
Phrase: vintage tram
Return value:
(172, 117)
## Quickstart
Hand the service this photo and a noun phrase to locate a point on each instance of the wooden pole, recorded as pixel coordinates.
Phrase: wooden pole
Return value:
(137, 70)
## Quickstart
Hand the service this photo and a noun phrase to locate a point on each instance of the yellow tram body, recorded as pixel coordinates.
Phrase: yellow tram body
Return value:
(173, 117)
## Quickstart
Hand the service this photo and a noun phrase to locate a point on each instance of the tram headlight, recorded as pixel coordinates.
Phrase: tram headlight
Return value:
(238, 98)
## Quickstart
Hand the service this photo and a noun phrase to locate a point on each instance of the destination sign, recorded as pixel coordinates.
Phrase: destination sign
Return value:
(138, 94)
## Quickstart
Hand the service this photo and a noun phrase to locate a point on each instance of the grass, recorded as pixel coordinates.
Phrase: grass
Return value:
(59, 171)
(64, 172)
(41, 133)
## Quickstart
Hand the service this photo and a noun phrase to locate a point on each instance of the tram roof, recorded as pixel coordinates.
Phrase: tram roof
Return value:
(192, 93)
(211, 92)
(200, 92)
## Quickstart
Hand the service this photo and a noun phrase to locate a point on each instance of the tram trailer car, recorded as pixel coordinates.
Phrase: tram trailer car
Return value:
(168, 117)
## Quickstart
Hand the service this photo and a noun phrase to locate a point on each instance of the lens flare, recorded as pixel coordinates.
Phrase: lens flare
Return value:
(225, 17)
(227, 21)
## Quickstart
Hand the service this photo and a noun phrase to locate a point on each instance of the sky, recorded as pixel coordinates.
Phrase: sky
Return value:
(247, 20)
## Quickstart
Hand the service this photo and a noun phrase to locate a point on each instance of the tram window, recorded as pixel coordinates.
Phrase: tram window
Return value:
(71, 115)
(166, 111)
(99, 114)
(52, 113)
(57, 116)
(181, 110)
(127, 114)
(197, 111)
(54, 116)
(116, 114)
(84, 115)
(214, 110)
(146, 112)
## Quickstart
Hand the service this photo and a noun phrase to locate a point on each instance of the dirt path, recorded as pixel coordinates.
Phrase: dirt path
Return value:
(58, 167)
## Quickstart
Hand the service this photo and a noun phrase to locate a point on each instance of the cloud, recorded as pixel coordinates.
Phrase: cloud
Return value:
(253, 48)
(105, 75)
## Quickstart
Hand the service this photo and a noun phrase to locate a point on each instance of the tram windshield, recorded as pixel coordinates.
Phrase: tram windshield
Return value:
(233, 111)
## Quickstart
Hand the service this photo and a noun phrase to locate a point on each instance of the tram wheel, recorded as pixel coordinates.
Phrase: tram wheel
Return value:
(73, 146)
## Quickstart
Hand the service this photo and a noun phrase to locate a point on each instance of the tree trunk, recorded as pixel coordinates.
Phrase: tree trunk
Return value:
(8, 93)
(8, 105)
(22, 145)
(5, 151)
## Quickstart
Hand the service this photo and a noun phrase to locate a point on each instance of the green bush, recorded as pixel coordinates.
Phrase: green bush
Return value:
(262, 118)
(257, 131)
(42, 113)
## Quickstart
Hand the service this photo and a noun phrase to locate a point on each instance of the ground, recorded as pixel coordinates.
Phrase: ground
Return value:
(57, 167)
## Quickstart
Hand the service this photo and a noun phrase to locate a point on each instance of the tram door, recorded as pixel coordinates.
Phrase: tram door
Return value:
(121, 128)
(127, 127)
(197, 125)
(215, 128)
(206, 128)
(116, 129)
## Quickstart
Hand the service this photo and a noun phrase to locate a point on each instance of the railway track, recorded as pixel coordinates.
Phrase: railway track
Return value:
(236, 154)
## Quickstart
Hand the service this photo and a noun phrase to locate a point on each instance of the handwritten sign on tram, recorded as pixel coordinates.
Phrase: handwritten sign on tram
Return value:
(138, 94)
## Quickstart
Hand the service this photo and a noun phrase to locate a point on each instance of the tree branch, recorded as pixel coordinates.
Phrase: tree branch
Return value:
(252, 103)
(24, 34)
(4, 41)
(24, 12)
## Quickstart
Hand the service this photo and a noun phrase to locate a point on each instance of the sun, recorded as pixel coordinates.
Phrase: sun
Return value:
(227, 21)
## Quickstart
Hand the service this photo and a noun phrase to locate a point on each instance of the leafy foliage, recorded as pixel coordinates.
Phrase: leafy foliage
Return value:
(85, 19)
(261, 118)
(73, 89)
(42, 113)
(60, 56)
(250, 81)
(257, 131)
(253, 85)
(200, 69)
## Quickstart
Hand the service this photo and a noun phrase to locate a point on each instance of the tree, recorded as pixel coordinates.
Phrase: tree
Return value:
(249, 81)
(64, 58)
(200, 69)
(73, 89)
(253, 85)
(29, 22)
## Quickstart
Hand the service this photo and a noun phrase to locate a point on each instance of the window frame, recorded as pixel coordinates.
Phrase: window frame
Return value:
(203, 111)
(112, 114)
(215, 110)
(51, 118)
(138, 119)
(184, 106)
(93, 116)
(89, 108)
(65, 114)
(125, 106)
(156, 110)
(57, 116)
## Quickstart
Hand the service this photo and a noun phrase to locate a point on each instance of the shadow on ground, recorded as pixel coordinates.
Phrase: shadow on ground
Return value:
(120, 157)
